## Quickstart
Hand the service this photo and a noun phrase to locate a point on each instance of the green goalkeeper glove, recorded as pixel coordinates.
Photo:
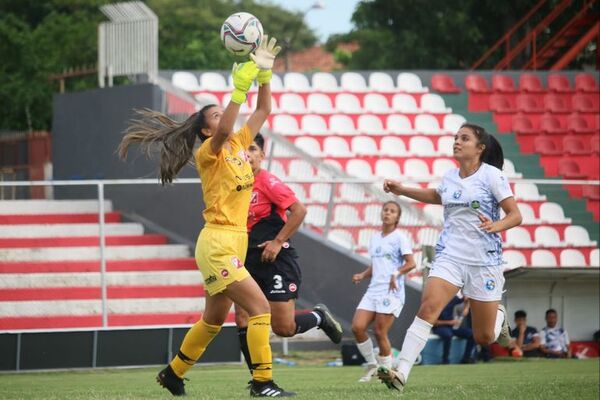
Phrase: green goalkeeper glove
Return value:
(243, 75)
(264, 57)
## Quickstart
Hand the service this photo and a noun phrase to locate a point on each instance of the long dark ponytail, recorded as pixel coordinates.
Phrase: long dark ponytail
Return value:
(493, 153)
(174, 141)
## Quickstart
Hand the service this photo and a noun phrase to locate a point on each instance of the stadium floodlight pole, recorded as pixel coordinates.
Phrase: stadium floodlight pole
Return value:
(287, 42)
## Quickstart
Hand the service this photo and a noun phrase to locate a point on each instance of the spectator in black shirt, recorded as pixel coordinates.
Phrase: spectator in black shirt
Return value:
(526, 338)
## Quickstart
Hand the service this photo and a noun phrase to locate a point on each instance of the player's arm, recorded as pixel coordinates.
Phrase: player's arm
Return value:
(367, 273)
(409, 263)
(294, 220)
(430, 196)
(535, 344)
(513, 217)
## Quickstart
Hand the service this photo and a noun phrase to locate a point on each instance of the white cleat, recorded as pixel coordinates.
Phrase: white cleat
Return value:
(371, 371)
(392, 379)
(504, 337)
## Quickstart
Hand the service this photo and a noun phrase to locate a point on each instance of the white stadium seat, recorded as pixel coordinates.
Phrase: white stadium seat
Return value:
(252, 97)
(381, 82)
(519, 237)
(572, 258)
(353, 82)
(576, 235)
(207, 98)
(244, 108)
(547, 236)
(509, 169)
(320, 192)
(543, 258)
(364, 237)
(410, 83)
(364, 146)
(292, 103)
(392, 146)
(398, 125)
(213, 81)
(285, 125)
(427, 124)
(296, 82)
(346, 215)
(513, 259)
(453, 122)
(335, 146)
(347, 103)
(283, 151)
(434, 103)
(341, 125)
(376, 103)
(405, 103)
(445, 146)
(387, 168)
(342, 238)
(299, 191)
(441, 166)
(427, 236)
(276, 168)
(527, 192)
(373, 214)
(319, 103)
(435, 212)
(309, 145)
(421, 146)
(276, 83)
(314, 125)
(324, 82)
(352, 192)
(553, 213)
(370, 124)
(416, 169)
(185, 80)
(300, 169)
(527, 214)
(359, 168)
(595, 258)
(316, 215)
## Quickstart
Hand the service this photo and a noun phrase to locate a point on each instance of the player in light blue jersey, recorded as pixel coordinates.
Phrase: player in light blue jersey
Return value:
(469, 251)
(391, 259)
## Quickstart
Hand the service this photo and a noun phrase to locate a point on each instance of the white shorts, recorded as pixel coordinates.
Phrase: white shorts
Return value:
(381, 304)
(478, 282)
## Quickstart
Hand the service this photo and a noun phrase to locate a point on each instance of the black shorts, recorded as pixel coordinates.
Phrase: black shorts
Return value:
(279, 280)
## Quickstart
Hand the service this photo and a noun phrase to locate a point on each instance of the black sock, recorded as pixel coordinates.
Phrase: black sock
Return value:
(244, 346)
(305, 322)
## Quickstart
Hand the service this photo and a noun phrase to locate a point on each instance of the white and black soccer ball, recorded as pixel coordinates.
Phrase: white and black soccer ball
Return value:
(241, 33)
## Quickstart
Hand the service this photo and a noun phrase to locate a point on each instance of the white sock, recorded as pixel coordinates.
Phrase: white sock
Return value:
(498, 325)
(386, 361)
(414, 342)
(366, 349)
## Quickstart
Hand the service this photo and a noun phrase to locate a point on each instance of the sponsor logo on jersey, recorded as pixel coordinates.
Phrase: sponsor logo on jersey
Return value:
(457, 194)
(243, 155)
(245, 186)
(224, 273)
(292, 287)
(236, 262)
(234, 160)
(211, 279)
(475, 204)
(490, 285)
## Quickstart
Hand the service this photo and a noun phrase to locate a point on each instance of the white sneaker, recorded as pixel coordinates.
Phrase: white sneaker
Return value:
(392, 379)
(504, 337)
(371, 370)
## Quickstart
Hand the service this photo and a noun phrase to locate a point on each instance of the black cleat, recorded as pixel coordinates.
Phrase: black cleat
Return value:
(329, 325)
(174, 384)
(268, 389)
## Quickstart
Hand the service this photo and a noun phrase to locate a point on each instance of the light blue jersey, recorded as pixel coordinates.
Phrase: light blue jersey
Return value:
(387, 256)
(463, 199)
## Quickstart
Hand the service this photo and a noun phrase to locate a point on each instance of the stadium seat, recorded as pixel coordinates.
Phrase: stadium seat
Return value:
(316, 215)
(559, 83)
(576, 235)
(335, 146)
(595, 144)
(370, 124)
(320, 192)
(528, 192)
(298, 190)
(445, 146)
(530, 83)
(499, 103)
(427, 124)
(324, 82)
(444, 83)
(276, 168)
(244, 107)
(546, 236)
(476, 83)
(251, 103)
(353, 82)
(421, 146)
(545, 146)
(392, 146)
(405, 103)
(583, 103)
(341, 125)
(346, 215)
(309, 145)
(347, 103)
(523, 125)
(285, 125)
(428, 236)
(577, 124)
(550, 125)
(373, 214)
(572, 258)
(569, 169)
(555, 103)
(519, 237)
(595, 258)
(503, 84)
(591, 192)
(527, 213)
(296, 82)
(352, 192)
(574, 146)
(410, 83)
(359, 168)
(586, 83)
(416, 169)
(314, 125)
(364, 237)
(283, 151)
(332, 164)
(513, 259)
(364, 146)
(453, 122)
(543, 258)
(441, 166)
(319, 103)
(292, 103)
(376, 103)
(276, 83)
(529, 104)
(207, 98)
(434, 104)
(300, 169)
(386, 168)
(186, 81)
(398, 125)
(553, 213)
(381, 82)
(213, 81)
(509, 169)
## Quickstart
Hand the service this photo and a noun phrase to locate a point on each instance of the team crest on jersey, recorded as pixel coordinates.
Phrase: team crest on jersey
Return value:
(292, 287)
(457, 194)
(490, 285)
(242, 155)
(475, 205)
(386, 302)
(224, 273)
(236, 262)
(234, 160)
(378, 249)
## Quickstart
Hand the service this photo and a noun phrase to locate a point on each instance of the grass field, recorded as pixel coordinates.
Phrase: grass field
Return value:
(523, 379)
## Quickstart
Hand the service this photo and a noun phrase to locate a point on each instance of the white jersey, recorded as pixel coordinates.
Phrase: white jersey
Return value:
(387, 255)
(463, 199)
(555, 339)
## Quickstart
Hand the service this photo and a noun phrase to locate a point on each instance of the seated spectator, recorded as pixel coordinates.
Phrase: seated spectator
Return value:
(554, 340)
(526, 338)
(449, 324)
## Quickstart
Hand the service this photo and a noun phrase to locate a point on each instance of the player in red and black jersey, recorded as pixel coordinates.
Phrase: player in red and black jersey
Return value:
(272, 261)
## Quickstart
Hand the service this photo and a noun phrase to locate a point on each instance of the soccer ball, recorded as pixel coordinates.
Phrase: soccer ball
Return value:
(241, 33)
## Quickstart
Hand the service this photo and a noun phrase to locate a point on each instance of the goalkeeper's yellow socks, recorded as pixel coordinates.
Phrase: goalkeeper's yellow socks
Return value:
(194, 344)
(259, 328)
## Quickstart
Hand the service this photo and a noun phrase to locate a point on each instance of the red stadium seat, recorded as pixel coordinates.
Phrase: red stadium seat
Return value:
(583, 103)
(499, 103)
(577, 124)
(521, 124)
(569, 169)
(545, 146)
(595, 144)
(549, 124)
(476, 83)
(559, 83)
(585, 83)
(591, 192)
(573, 145)
(528, 103)
(530, 83)
(444, 83)
(555, 103)
(503, 84)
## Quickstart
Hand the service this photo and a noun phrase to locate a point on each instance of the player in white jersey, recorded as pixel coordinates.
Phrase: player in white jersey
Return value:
(469, 251)
(391, 255)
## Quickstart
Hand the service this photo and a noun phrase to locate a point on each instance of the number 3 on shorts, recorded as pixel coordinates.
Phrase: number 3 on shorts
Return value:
(278, 284)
